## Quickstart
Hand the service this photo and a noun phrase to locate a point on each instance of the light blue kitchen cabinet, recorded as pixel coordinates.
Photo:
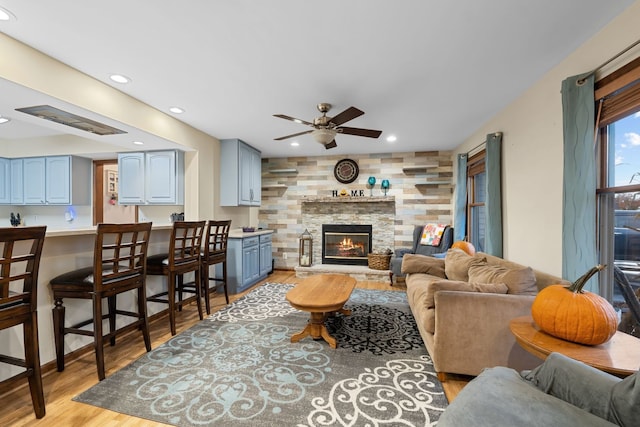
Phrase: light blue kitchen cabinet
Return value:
(56, 180)
(17, 182)
(248, 261)
(5, 181)
(34, 180)
(164, 177)
(152, 177)
(131, 178)
(266, 254)
(240, 174)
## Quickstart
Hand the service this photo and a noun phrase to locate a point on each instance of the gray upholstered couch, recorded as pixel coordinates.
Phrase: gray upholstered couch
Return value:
(463, 305)
(559, 392)
(396, 261)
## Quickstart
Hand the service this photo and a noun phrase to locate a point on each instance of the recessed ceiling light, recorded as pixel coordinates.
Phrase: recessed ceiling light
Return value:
(295, 144)
(391, 138)
(138, 142)
(4, 120)
(6, 15)
(176, 110)
(119, 78)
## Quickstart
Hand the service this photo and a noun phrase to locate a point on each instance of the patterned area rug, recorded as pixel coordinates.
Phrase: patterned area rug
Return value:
(238, 367)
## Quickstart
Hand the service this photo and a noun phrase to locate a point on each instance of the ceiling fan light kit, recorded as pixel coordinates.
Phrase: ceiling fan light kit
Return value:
(324, 136)
(326, 128)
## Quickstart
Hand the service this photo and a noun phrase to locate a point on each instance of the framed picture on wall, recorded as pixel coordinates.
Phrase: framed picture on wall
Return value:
(112, 181)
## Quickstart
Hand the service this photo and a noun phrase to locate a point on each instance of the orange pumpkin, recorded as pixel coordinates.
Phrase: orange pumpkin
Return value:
(575, 315)
(465, 246)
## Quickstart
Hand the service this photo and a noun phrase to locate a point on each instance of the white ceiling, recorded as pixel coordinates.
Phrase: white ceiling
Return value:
(430, 72)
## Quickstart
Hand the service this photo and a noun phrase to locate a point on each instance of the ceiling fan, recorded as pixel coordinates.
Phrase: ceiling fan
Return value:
(325, 128)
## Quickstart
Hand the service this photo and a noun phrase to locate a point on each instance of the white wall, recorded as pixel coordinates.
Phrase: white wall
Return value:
(532, 148)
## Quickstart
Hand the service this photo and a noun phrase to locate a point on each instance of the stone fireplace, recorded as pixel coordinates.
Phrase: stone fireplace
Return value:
(376, 212)
(346, 244)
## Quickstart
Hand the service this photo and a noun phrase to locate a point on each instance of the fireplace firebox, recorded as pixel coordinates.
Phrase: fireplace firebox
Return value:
(346, 244)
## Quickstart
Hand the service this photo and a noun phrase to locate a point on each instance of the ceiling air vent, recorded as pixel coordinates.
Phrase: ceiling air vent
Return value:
(53, 114)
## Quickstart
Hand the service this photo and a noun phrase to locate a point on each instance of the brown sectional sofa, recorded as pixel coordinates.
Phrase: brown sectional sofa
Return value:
(463, 306)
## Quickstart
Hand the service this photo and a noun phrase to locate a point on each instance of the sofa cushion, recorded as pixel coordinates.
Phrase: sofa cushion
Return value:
(625, 401)
(454, 285)
(499, 397)
(457, 263)
(588, 388)
(413, 263)
(520, 281)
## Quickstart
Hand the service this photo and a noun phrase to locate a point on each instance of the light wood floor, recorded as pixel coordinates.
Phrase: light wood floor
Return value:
(80, 374)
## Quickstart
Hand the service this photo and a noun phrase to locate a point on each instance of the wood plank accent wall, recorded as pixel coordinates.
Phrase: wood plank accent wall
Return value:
(421, 185)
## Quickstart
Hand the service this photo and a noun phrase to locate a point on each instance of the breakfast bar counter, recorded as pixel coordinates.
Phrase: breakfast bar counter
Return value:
(67, 249)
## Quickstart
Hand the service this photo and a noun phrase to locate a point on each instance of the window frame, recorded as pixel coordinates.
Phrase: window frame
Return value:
(616, 96)
(476, 165)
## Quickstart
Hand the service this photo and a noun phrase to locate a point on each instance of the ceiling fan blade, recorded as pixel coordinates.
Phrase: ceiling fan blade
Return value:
(332, 144)
(293, 119)
(369, 133)
(348, 114)
(292, 135)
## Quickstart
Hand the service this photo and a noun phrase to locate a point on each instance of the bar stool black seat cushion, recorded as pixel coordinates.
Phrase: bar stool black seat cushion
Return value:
(75, 277)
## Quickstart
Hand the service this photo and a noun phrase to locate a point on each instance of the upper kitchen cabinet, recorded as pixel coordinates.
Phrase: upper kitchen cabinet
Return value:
(55, 180)
(152, 177)
(17, 182)
(131, 178)
(5, 181)
(11, 182)
(240, 174)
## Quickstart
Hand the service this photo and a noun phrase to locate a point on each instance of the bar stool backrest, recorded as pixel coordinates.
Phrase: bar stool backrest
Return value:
(185, 244)
(19, 266)
(216, 238)
(120, 254)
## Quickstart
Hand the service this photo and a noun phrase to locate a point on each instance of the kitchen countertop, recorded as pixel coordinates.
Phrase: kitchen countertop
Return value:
(80, 231)
(237, 233)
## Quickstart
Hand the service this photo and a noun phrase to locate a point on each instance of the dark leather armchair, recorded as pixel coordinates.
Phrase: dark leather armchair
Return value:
(396, 261)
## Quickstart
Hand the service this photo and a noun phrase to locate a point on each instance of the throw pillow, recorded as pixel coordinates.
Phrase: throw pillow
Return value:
(414, 263)
(453, 285)
(520, 281)
(457, 263)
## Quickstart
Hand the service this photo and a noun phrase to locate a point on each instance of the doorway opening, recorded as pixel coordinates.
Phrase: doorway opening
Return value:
(105, 195)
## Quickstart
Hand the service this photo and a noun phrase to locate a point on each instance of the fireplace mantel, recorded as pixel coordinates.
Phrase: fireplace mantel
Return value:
(349, 199)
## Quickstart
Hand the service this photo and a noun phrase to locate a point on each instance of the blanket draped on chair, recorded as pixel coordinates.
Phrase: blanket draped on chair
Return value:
(432, 233)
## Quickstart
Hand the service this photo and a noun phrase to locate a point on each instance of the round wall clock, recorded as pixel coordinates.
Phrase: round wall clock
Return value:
(346, 171)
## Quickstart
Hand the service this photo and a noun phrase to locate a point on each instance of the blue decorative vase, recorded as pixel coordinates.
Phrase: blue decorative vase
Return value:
(385, 186)
(371, 182)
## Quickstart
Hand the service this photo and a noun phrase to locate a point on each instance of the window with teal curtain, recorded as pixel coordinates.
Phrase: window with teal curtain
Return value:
(579, 179)
(484, 213)
(493, 204)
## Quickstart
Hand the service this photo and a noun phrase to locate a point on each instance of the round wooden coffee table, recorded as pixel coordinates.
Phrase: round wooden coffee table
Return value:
(321, 295)
(619, 356)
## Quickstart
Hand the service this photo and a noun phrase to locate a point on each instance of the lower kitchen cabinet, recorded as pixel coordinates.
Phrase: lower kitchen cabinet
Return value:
(249, 260)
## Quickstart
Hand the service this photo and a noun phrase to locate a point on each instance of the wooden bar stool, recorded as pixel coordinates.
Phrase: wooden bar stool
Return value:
(19, 265)
(183, 257)
(215, 252)
(119, 265)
